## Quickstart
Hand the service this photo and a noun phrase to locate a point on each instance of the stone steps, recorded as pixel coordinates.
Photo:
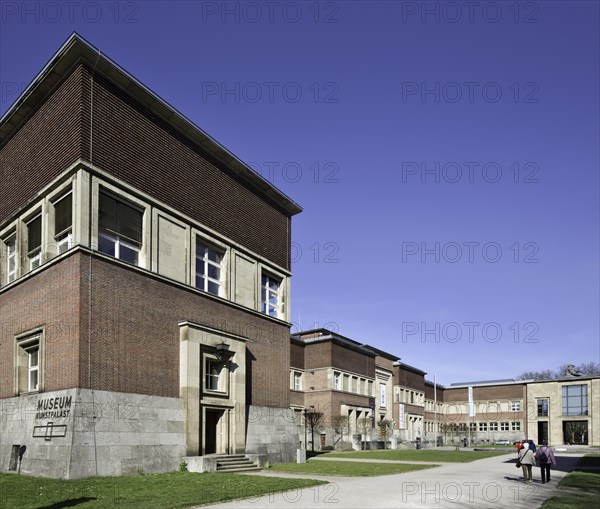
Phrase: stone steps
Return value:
(235, 463)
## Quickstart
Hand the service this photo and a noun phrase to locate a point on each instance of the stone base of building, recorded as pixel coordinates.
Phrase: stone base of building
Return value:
(79, 433)
(274, 432)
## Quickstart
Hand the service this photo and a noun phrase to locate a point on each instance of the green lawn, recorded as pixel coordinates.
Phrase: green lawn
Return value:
(348, 468)
(427, 455)
(579, 489)
(156, 491)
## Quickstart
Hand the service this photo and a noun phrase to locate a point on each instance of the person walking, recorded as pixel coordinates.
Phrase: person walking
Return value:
(545, 459)
(526, 459)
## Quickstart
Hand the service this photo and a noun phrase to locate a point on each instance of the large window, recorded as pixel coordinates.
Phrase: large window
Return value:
(119, 229)
(516, 426)
(483, 426)
(270, 295)
(515, 406)
(63, 223)
(11, 258)
(493, 426)
(504, 426)
(209, 268)
(34, 242)
(574, 400)
(542, 407)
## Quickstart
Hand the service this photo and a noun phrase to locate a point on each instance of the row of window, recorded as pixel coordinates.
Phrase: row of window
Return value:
(120, 235)
(352, 383)
(410, 396)
(61, 226)
(496, 426)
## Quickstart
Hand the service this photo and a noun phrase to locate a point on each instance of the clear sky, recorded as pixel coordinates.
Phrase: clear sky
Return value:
(446, 155)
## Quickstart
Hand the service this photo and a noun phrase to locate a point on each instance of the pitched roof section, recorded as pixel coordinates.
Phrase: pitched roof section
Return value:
(77, 50)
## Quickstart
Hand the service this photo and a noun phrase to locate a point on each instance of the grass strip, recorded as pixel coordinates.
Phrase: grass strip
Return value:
(348, 468)
(422, 455)
(158, 491)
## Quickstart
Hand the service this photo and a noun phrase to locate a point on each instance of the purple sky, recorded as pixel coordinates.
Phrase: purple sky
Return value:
(446, 155)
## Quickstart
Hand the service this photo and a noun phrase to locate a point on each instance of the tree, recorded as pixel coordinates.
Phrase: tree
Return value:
(341, 425)
(365, 425)
(313, 421)
(585, 368)
(385, 430)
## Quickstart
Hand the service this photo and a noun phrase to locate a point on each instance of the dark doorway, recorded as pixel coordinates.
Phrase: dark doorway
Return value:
(210, 430)
(542, 431)
(575, 432)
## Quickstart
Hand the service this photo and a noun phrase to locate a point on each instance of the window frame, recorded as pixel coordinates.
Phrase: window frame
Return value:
(209, 246)
(65, 236)
(515, 406)
(34, 256)
(121, 194)
(583, 405)
(26, 344)
(297, 381)
(10, 239)
(222, 390)
(337, 381)
(515, 426)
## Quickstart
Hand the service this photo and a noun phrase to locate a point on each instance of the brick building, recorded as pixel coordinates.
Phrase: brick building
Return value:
(337, 376)
(144, 282)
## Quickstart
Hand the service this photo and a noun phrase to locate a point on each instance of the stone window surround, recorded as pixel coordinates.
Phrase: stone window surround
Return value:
(22, 342)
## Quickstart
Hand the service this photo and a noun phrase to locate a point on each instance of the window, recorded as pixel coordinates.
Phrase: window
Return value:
(209, 271)
(493, 426)
(270, 296)
(213, 379)
(28, 362)
(504, 426)
(515, 406)
(11, 258)
(370, 391)
(473, 427)
(119, 229)
(345, 387)
(354, 384)
(297, 381)
(337, 382)
(483, 426)
(542, 405)
(574, 400)
(34, 242)
(516, 426)
(63, 223)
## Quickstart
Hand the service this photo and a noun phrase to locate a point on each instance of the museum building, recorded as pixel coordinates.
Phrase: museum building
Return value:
(144, 283)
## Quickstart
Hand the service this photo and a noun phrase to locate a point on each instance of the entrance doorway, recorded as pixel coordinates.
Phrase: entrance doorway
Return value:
(212, 430)
(542, 431)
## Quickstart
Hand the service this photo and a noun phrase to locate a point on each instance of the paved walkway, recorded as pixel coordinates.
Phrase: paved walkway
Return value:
(486, 483)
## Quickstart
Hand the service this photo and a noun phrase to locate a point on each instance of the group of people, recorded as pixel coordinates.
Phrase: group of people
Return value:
(528, 455)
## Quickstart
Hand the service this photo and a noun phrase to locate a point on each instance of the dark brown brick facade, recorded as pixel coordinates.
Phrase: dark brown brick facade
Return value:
(134, 331)
(43, 148)
(132, 144)
(49, 299)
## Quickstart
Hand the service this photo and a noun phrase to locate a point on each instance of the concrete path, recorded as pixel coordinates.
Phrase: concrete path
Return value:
(486, 483)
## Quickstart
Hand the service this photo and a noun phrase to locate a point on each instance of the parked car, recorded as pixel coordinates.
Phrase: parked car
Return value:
(502, 442)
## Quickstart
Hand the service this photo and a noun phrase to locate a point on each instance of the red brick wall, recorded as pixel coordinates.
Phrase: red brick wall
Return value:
(43, 148)
(135, 335)
(408, 378)
(50, 299)
(144, 152)
(296, 355)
